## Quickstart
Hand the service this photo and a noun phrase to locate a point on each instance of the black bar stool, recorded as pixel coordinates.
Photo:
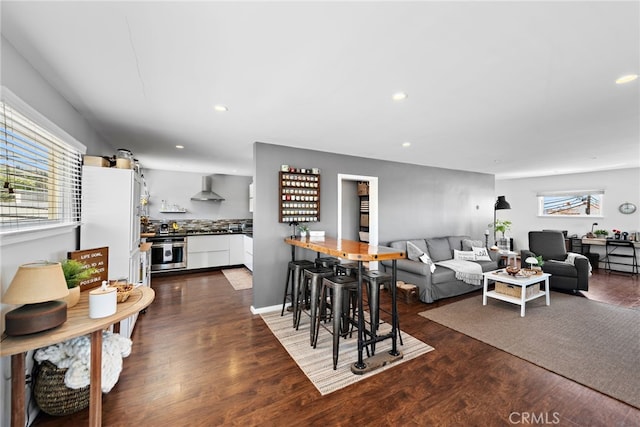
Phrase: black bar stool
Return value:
(343, 307)
(374, 279)
(292, 284)
(346, 269)
(311, 284)
(327, 262)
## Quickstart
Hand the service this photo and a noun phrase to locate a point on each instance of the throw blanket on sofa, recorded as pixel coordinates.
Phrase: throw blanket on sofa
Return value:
(467, 271)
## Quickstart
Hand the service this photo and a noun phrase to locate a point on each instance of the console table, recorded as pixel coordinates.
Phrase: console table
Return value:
(360, 251)
(78, 323)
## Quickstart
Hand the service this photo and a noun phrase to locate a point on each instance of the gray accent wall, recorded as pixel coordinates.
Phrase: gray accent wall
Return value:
(414, 201)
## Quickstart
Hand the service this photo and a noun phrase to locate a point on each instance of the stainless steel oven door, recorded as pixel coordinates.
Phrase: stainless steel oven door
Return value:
(168, 253)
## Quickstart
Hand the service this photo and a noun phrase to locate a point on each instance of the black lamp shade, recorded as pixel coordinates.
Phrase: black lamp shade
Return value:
(501, 203)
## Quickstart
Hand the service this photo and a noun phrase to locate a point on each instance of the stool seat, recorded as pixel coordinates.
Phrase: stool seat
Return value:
(347, 269)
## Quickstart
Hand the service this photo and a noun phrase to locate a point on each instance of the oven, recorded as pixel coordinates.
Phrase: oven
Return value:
(168, 253)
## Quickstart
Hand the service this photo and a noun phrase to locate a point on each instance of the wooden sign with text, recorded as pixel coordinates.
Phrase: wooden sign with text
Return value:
(97, 258)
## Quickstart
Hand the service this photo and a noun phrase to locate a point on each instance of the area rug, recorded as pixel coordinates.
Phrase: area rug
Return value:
(317, 364)
(589, 342)
(240, 278)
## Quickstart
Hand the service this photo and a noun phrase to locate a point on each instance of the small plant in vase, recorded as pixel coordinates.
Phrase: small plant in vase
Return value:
(600, 234)
(502, 226)
(74, 273)
(303, 229)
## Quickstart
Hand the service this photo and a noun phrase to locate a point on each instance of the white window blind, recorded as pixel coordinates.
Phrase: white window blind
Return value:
(40, 173)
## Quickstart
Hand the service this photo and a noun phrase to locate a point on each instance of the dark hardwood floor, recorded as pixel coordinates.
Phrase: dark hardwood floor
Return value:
(200, 358)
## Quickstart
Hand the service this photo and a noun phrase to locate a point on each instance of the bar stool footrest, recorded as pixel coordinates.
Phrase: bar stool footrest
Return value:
(376, 361)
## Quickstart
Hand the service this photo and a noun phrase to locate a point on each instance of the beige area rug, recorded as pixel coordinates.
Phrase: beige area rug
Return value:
(240, 278)
(317, 364)
(592, 343)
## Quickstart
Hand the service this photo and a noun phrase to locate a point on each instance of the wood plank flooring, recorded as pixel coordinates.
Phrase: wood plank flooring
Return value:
(200, 358)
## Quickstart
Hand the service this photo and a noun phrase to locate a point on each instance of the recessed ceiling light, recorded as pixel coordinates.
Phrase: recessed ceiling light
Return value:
(220, 108)
(626, 79)
(179, 147)
(406, 144)
(399, 96)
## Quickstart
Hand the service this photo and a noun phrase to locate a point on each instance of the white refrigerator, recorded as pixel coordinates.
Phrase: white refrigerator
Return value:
(111, 217)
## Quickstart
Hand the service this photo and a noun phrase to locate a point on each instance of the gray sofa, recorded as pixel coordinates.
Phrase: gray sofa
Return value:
(442, 283)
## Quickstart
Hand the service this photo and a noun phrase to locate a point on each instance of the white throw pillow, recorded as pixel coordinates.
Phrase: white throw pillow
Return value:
(481, 254)
(464, 255)
(427, 260)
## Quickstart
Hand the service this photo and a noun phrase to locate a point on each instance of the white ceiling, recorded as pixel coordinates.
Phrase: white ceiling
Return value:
(509, 88)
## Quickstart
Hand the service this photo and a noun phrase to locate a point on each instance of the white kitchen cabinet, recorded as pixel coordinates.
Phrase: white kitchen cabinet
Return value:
(248, 252)
(111, 217)
(236, 249)
(207, 251)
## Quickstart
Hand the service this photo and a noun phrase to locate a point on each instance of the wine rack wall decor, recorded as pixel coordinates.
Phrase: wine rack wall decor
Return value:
(299, 192)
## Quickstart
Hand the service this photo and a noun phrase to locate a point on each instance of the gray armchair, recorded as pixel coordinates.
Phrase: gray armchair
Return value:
(564, 275)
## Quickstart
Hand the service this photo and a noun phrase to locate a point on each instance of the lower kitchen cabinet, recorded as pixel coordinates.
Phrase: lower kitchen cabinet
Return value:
(248, 252)
(207, 251)
(236, 249)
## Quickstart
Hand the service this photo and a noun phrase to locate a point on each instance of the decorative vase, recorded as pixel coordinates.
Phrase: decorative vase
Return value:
(303, 234)
(503, 244)
(73, 297)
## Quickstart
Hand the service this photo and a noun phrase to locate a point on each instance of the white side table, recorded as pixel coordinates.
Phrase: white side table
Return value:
(523, 282)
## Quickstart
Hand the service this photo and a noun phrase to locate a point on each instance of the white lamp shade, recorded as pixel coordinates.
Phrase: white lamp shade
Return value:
(531, 260)
(37, 282)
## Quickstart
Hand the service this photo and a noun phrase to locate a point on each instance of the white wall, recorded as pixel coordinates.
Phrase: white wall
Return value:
(620, 186)
(26, 83)
(178, 187)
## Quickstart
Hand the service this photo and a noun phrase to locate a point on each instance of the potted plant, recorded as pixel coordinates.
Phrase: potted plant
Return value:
(303, 229)
(601, 233)
(74, 273)
(502, 225)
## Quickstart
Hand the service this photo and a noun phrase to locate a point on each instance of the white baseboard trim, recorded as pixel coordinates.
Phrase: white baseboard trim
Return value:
(267, 309)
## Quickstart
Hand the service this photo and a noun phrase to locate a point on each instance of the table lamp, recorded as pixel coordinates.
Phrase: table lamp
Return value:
(531, 261)
(36, 285)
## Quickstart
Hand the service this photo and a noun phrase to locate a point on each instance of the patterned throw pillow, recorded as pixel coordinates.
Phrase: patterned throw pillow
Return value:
(481, 254)
(427, 260)
(464, 255)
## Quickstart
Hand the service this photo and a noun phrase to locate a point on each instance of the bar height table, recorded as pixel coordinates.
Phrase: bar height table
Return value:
(78, 323)
(360, 252)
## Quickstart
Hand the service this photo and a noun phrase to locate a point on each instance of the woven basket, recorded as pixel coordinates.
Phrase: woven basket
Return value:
(50, 393)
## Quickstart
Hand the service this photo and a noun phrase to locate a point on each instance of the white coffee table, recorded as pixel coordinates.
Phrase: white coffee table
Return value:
(523, 282)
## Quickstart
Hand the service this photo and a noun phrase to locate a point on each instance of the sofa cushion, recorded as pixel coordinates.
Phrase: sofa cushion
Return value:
(455, 242)
(439, 249)
(413, 252)
(560, 268)
(467, 244)
(443, 275)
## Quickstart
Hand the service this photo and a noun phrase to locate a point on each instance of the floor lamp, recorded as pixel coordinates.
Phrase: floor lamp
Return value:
(501, 203)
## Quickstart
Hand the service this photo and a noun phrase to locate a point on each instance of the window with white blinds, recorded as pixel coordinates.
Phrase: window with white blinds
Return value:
(40, 172)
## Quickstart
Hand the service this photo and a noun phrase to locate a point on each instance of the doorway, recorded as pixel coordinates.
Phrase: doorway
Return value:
(352, 180)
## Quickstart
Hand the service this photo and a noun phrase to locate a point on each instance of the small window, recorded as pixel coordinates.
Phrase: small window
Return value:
(40, 170)
(586, 203)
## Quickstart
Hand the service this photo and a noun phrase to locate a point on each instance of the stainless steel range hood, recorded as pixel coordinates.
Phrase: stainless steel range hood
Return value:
(206, 193)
